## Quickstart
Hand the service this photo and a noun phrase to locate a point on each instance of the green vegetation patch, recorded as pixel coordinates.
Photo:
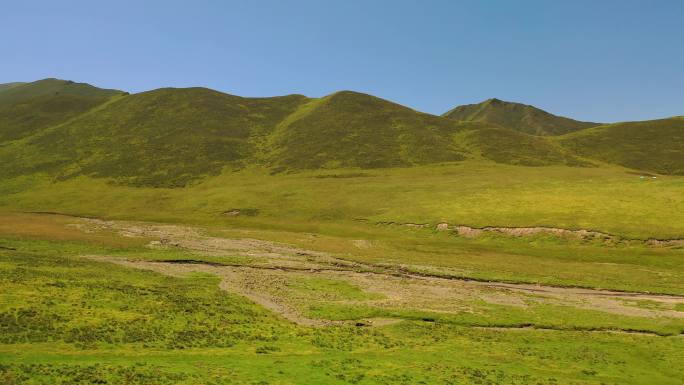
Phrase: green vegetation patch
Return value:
(538, 316)
(48, 298)
(68, 320)
(652, 146)
(511, 147)
(65, 374)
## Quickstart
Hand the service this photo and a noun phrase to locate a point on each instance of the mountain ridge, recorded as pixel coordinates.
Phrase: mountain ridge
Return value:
(170, 137)
(26, 108)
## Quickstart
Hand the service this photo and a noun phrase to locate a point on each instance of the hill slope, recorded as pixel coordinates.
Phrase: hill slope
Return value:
(165, 137)
(27, 108)
(516, 116)
(17, 92)
(7, 86)
(503, 145)
(655, 145)
(350, 129)
(171, 137)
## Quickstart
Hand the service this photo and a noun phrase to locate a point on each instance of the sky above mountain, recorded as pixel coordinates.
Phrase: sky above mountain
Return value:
(595, 61)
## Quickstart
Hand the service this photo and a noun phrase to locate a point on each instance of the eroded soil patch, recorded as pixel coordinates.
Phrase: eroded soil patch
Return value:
(274, 274)
(583, 234)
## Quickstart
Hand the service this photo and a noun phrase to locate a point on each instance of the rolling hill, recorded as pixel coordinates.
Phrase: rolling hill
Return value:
(503, 145)
(654, 146)
(516, 116)
(165, 137)
(171, 137)
(7, 86)
(17, 92)
(350, 129)
(26, 108)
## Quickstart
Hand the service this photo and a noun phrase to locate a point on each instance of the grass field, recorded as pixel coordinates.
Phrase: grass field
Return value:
(478, 194)
(71, 320)
(315, 277)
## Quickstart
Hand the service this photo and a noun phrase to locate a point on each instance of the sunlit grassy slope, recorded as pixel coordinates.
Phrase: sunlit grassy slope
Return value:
(165, 137)
(655, 146)
(15, 92)
(349, 129)
(176, 137)
(28, 108)
(508, 146)
(7, 86)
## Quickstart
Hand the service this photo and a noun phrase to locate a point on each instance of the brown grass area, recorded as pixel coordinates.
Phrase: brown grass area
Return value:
(59, 228)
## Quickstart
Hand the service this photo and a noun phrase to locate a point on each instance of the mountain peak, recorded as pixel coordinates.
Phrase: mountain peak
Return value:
(517, 116)
(52, 86)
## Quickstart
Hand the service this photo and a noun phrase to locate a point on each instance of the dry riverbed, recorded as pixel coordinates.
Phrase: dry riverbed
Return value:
(290, 280)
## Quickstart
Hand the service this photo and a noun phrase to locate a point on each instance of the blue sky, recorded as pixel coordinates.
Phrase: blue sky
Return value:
(605, 60)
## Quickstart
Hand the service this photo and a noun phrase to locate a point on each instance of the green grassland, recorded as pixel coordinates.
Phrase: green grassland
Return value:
(638, 145)
(7, 86)
(343, 206)
(63, 323)
(176, 137)
(27, 109)
(356, 177)
(608, 199)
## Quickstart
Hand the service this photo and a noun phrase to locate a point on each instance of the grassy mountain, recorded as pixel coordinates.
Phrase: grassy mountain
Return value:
(171, 137)
(17, 92)
(165, 137)
(27, 108)
(504, 145)
(516, 116)
(349, 129)
(655, 145)
(7, 86)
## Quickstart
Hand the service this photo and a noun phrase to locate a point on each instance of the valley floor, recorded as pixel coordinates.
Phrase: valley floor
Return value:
(86, 300)
(464, 273)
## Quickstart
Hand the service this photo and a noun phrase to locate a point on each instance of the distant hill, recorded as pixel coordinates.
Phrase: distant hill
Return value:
(7, 86)
(504, 145)
(516, 116)
(350, 129)
(173, 136)
(16, 92)
(165, 137)
(654, 145)
(26, 108)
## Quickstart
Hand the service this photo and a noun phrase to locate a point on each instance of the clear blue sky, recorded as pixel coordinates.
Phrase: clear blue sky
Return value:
(604, 60)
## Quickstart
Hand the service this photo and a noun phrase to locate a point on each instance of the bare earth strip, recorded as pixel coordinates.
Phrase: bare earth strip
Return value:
(270, 279)
(472, 232)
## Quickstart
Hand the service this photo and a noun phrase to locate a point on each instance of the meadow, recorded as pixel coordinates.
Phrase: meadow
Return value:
(68, 320)
(325, 277)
